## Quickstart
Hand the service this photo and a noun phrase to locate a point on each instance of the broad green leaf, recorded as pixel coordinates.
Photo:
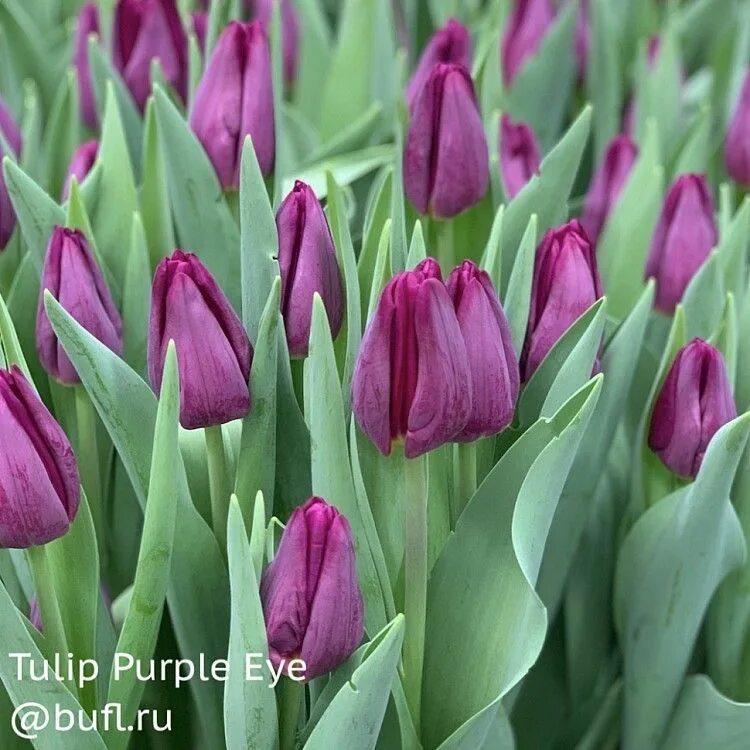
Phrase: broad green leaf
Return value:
(492, 256)
(704, 299)
(417, 250)
(144, 615)
(669, 566)
(315, 48)
(732, 248)
(696, 151)
(398, 205)
(380, 273)
(12, 352)
(250, 719)
(136, 298)
(355, 135)
(518, 293)
(63, 131)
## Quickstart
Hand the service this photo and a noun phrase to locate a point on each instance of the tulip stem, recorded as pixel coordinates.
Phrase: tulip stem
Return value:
(289, 698)
(465, 473)
(415, 581)
(445, 244)
(217, 480)
(49, 607)
(88, 461)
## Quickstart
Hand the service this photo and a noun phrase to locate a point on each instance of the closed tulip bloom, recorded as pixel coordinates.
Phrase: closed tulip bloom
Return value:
(307, 261)
(39, 483)
(289, 33)
(685, 235)
(449, 44)
(528, 24)
(737, 147)
(582, 39)
(87, 24)
(311, 599)
(446, 166)
(83, 159)
(74, 279)
(519, 155)
(199, 21)
(565, 284)
(493, 364)
(607, 184)
(213, 350)
(412, 377)
(235, 99)
(11, 134)
(694, 402)
(145, 30)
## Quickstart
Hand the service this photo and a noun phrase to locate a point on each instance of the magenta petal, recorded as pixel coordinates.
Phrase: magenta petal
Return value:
(519, 155)
(527, 25)
(88, 23)
(737, 147)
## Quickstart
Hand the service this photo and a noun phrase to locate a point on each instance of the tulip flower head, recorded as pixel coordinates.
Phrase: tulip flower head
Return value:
(565, 284)
(11, 134)
(519, 155)
(81, 163)
(582, 39)
(199, 23)
(446, 166)
(737, 147)
(213, 350)
(694, 402)
(74, 279)
(684, 237)
(449, 44)
(610, 178)
(234, 99)
(39, 480)
(147, 30)
(289, 32)
(311, 598)
(412, 377)
(528, 24)
(87, 24)
(308, 265)
(493, 364)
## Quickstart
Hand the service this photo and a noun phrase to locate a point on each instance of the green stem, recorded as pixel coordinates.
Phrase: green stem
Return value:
(218, 482)
(290, 697)
(465, 463)
(49, 608)
(415, 581)
(88, 462)
(445, 245)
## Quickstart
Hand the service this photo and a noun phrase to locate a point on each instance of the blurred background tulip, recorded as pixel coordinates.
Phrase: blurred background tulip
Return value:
(81, 163)
(87, 24)
(290, 32)
(11, 134)
(527, 25)
(737, 146)
(519, 155)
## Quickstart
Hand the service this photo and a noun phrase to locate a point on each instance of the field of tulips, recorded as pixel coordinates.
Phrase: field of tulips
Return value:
(375, 374)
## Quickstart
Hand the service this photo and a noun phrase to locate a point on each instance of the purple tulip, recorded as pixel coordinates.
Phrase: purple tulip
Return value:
(519, 155)
(565, 284)
(307, 261)
(446, 166)
(234, 99)
(528, 24)
(145, 30)
(694, 402)
(12, 135)
(582, 40)
(289, 32)
(607, 184)
(449, 44)
(412, 377)
(737, 147)
(87, 24)
(83, 159)
(39, 483)
(74, 279)
(213, 350)
(311, 599)
(199, 22)
(684, 237)
(493, 365)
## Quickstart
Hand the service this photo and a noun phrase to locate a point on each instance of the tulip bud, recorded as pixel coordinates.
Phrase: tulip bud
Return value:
(39, 480)
(83, 159)
(289, 33)
(199, 21)
(234, 99)
(519, 155)
(87, 24)
(74, 279)
(582, 40)
(737, 148)
(565, 284)
(450, 44)
(311, 599)
(607, 184)
(12, 136)
(445, 158)
(412, 377)
(213, 350)
(684, 237)
(307, 261)
(694, 402)
(493, 365)
(145, 30)
(528, 23)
